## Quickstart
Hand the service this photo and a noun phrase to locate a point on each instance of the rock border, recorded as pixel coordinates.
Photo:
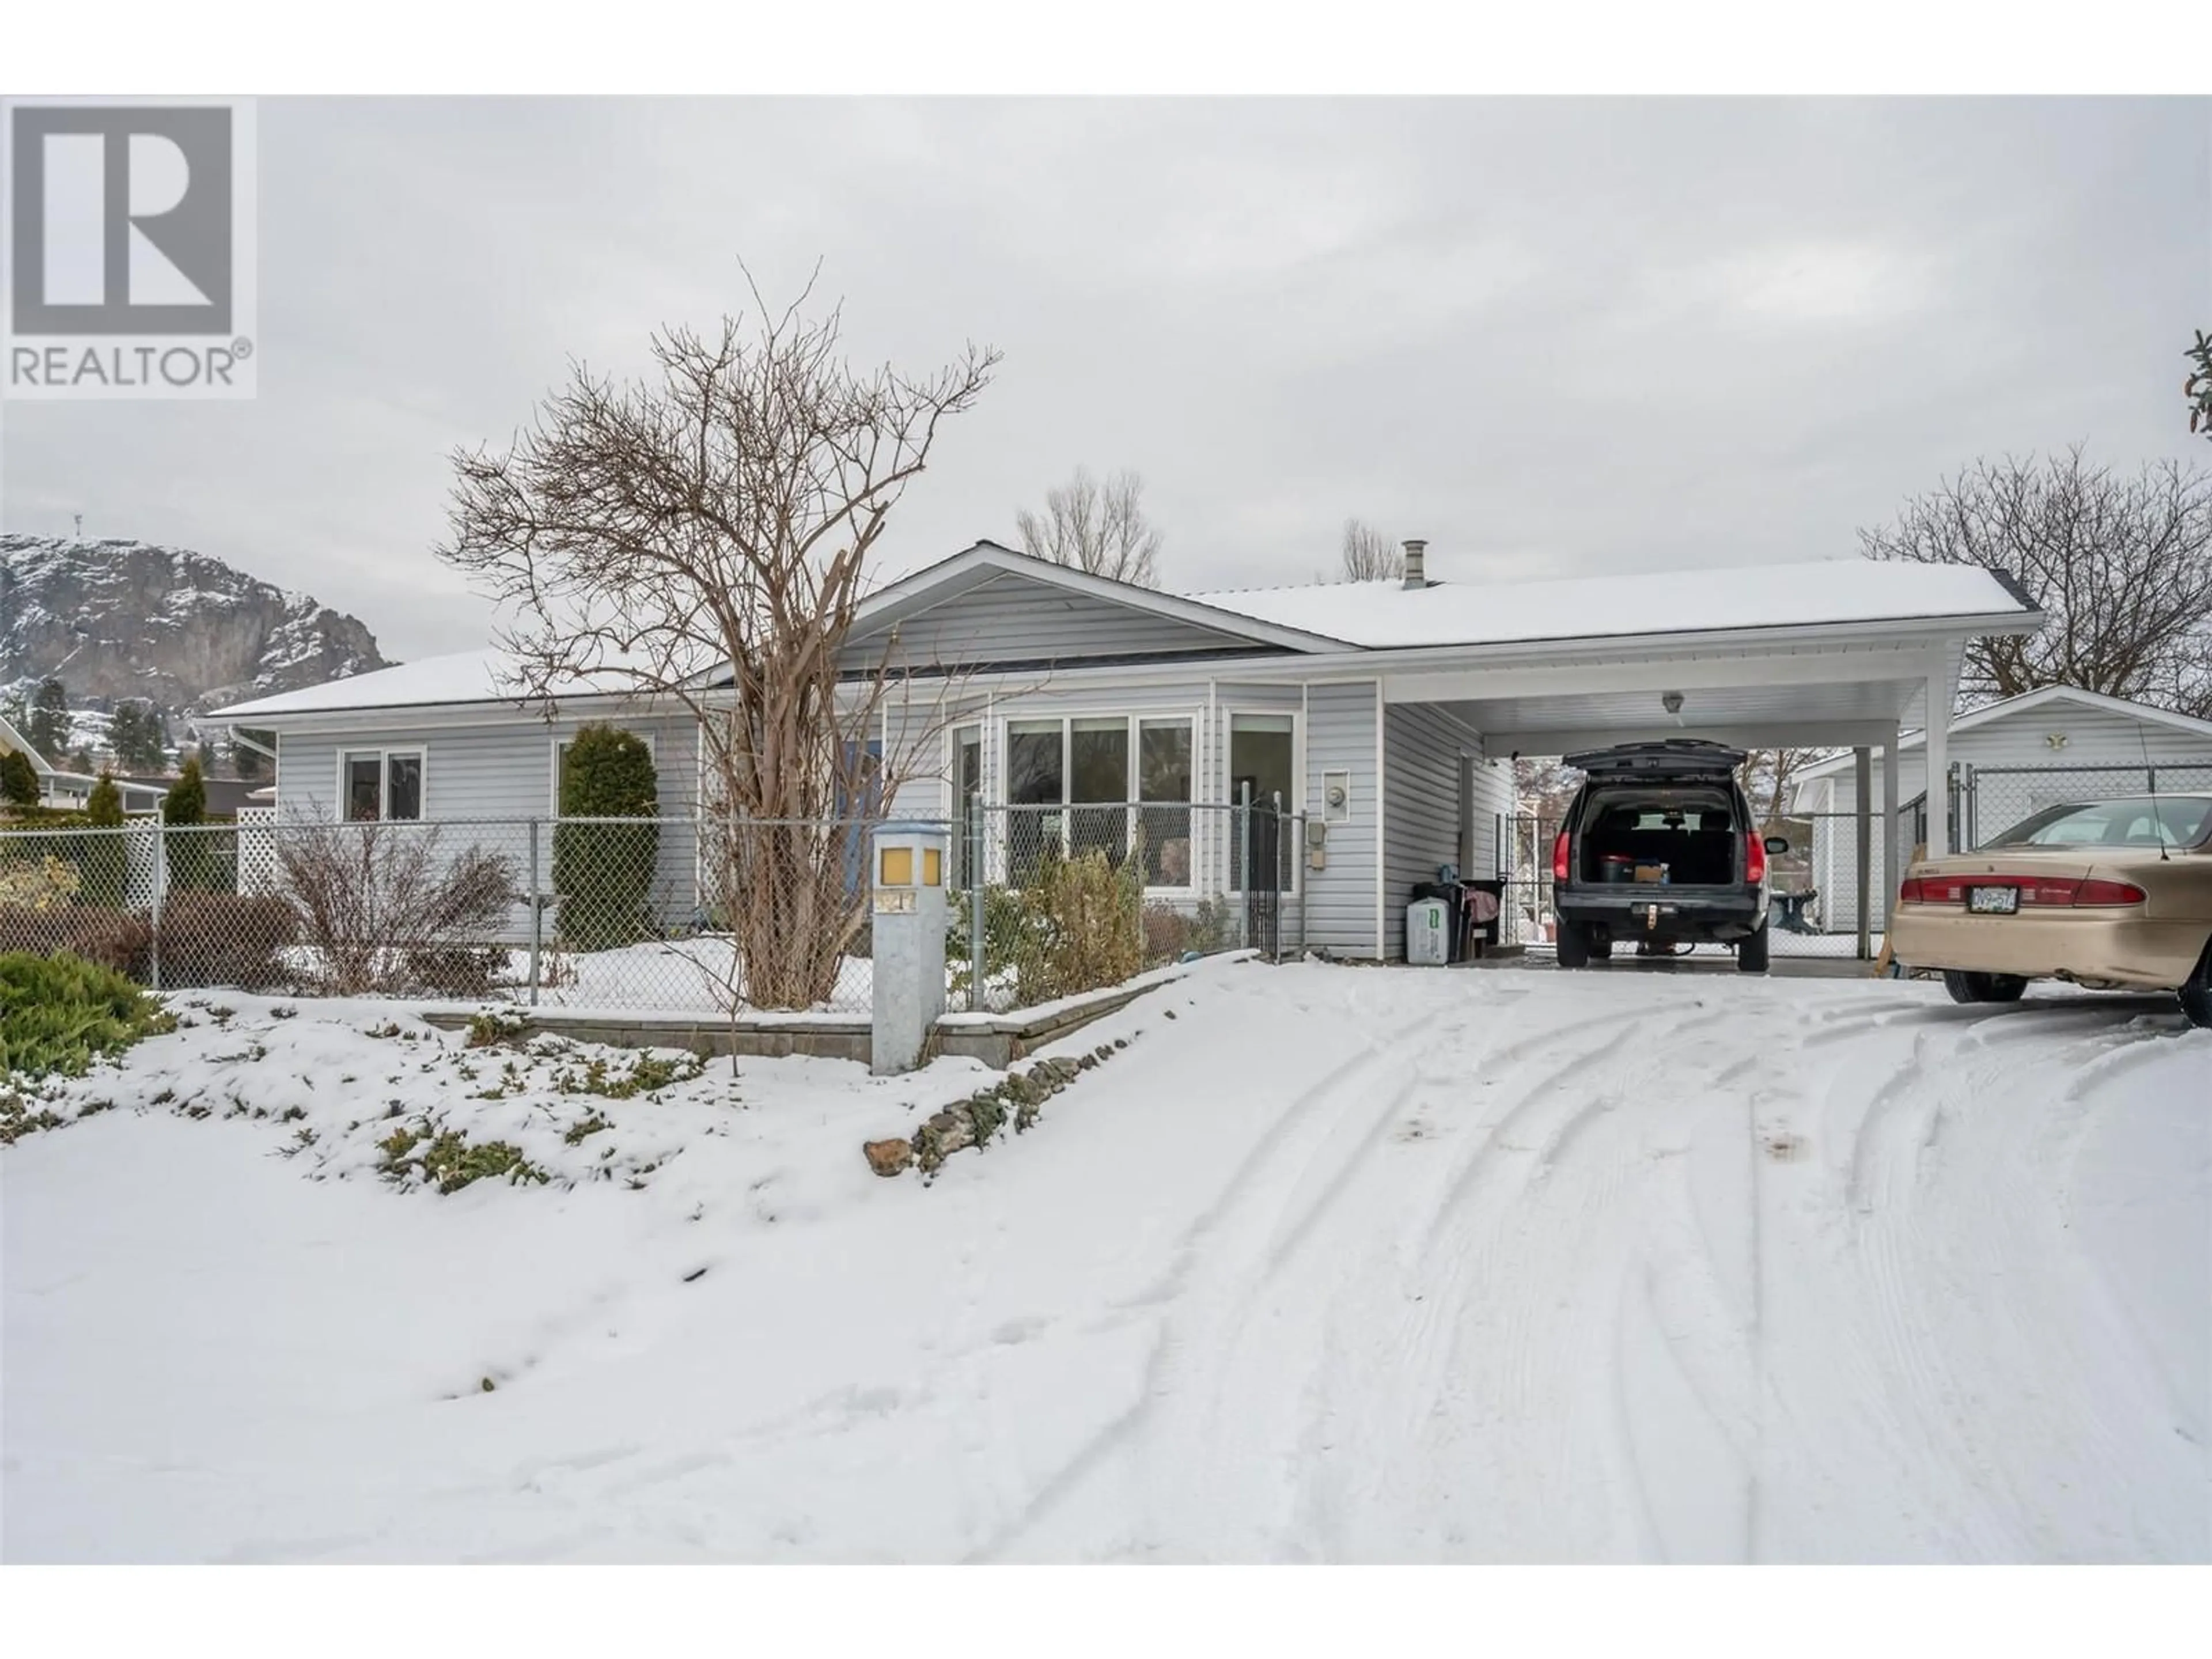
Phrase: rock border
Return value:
(1018, 1098)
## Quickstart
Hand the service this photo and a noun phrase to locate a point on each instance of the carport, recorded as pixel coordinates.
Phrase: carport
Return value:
(1839, 653)
(1846, 684)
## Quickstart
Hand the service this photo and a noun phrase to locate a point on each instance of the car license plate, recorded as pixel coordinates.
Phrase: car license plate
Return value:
(1993, 901)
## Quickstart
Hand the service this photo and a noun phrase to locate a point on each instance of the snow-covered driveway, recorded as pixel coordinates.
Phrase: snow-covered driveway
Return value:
(1335, 1264)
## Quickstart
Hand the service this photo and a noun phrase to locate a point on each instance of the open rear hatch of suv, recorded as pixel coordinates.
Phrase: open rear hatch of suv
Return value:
(1688, 759)
(1661, 813)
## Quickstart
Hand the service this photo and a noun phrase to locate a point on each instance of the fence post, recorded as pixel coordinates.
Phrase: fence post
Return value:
(976, 877)
(536, 913)
(1244, 834)
(160, 882)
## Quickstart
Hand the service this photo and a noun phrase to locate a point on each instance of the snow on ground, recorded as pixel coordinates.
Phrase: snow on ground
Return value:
(1334, 1264)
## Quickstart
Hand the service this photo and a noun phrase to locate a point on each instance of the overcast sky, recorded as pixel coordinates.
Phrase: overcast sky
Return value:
(1554, 337)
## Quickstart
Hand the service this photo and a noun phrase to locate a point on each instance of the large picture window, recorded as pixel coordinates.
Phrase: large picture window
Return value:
(378, 785)
(1100, 783)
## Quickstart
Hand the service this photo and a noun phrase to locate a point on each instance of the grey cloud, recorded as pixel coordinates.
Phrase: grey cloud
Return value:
(1551, 336)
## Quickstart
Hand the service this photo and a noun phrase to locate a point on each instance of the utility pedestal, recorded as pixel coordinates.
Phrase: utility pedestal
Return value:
(908, 945)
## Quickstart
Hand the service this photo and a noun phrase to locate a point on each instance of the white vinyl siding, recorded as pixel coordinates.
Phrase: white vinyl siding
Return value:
(1339, 735)
(1422, 746)
(1009, 619)
(499, 777)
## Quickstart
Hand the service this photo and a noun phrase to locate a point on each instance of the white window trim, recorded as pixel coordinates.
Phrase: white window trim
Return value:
(421, 753)
(994, 788)
(553, 765)
(1295, 802)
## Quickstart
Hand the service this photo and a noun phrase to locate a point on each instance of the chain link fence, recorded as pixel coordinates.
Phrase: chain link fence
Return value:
(1994, 799)
(704, 916)
(1055, 898)
(670, 915)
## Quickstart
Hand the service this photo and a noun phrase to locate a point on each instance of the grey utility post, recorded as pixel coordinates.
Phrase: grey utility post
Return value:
(908, 949)
(536, 913)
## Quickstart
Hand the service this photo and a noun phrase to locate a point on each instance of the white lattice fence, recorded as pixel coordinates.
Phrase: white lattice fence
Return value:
(257, 850)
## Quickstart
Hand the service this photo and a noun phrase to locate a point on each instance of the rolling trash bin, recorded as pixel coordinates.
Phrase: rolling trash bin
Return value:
(1428, 932)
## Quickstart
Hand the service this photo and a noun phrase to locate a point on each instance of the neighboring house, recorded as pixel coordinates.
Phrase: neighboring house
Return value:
(1386, 712)
(2008, 760)
(224, 795)
(71, 790)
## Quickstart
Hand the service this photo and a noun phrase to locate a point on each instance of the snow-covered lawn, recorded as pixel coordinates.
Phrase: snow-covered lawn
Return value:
(1333, 1264)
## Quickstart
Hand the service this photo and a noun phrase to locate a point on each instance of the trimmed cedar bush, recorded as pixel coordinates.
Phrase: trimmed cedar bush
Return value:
(18, 780)
(59, 1013)
(190, 854)
(227, 938)
(102, 865)
(603, 873)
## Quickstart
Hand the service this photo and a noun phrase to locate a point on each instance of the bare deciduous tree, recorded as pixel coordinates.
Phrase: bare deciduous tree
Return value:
(2121, 568)
(699, 540)
(1100, 528)
(1369, 556)
(1767, 774)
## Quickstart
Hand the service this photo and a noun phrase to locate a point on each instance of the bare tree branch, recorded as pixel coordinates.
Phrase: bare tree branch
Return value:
(699, 538)
(1100, 529)
(2121, 568)
(1369, 556)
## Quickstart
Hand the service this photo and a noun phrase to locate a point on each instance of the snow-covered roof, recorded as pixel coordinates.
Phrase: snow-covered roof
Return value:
(11, 738)
(462, 678)
(1380, 614)
(2026, 703)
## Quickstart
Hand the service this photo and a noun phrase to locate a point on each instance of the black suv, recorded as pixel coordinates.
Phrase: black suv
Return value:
(1659, 849)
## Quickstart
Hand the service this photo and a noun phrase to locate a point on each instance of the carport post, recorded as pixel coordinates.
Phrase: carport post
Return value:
(1891, 855)
(1861, 758)
(1939, 763)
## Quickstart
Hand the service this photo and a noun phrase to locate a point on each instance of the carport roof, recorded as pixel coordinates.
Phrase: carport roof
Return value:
(1385, 615)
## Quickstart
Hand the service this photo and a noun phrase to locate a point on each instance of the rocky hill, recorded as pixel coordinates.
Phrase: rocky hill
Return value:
(123, 619)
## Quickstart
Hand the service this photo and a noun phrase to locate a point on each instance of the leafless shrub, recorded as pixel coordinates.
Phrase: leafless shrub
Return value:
(377, 901)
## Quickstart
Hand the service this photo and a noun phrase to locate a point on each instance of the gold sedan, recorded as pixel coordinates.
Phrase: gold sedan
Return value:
(2111, 894)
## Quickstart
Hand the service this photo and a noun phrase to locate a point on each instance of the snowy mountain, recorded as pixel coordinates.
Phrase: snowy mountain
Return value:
(123, 619)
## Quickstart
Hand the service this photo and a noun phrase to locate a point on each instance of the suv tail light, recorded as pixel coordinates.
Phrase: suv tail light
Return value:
(1754, 858)
(1559, 857)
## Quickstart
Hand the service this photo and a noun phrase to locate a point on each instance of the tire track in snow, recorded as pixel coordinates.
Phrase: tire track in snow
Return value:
(1205, 1262)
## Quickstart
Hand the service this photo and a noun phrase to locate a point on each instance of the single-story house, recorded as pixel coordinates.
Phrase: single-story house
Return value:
(2008, 759)
(71, 790)
(1387, 712)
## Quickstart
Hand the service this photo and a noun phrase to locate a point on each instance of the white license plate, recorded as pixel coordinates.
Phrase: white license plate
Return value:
(1993, 901)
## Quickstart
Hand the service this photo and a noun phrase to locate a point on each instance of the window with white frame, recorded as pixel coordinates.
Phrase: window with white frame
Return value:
(1102, 783)
(380, 785)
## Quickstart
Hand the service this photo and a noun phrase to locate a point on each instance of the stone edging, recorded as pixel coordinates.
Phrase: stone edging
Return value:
(1018, 1098)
